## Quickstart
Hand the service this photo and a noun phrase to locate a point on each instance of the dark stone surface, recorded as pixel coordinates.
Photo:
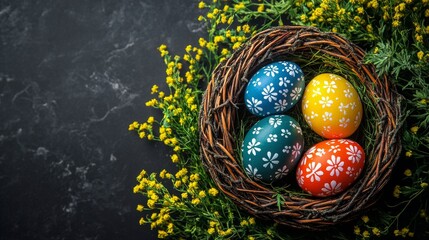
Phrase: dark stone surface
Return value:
(73, 75)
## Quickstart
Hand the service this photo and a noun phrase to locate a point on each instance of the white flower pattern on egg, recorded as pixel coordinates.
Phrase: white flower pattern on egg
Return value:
(335, 166)
(253, 172)
(326, 102)
(253, 147)
(271, 70)
(332, 188)
(285, 133)
(283, 81)
(330, 86)
(286, 149)
(275, 122)
(296, 93)
(269, 93)
(281, 172)
(296, 150)
(256, 130)
(327, 116)
(253, 105)
(257, 82)
(344, 122)
(280, 105)
(313, 171)
(272, 138)
(354, 153)
(270, 160)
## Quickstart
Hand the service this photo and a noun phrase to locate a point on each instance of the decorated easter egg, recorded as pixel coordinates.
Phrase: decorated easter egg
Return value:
(330, 167)
(274, 89)
(272, 148)
(331, 106)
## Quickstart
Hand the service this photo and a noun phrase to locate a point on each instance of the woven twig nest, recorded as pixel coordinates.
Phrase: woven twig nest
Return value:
(223, 109)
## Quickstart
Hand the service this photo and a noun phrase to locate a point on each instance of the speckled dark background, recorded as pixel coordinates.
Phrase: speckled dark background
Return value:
(73, 75)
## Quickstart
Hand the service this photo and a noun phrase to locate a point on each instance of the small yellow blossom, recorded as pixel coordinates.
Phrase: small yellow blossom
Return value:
(252, 221)
(261, 7)
(151, 103)
(201, 5)
(365, 218)
(202, 194)
(142, 134)
(202, 42)
(357, 19)
(177, 184)
(162, 173)
(376, 231)
(246, 28)
(424, 184)
(142, 221)
(133, 126)
(366, 234)
(397, 191)
(414, 129)
(395, 23)
(150, 120)
(408, 173)
(154, 89)
(419, 38)
(397, 232)
(357, 230)
(196, 201)
(244, 223)
(239, 6)
(174, 158)
(212, 223)
(369, 28)
(211, 231)
(162, 234)
(140, 208)
(420, 55)
(213, 192)
(236, 45)
(409, 153)
(151, 203)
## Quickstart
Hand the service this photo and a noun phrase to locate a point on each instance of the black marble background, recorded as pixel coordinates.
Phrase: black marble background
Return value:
(73, 76)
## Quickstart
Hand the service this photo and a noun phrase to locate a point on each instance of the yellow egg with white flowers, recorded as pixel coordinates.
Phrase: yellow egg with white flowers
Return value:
(331, 106)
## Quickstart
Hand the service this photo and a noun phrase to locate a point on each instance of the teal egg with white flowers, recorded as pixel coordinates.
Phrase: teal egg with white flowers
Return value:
(272, 148)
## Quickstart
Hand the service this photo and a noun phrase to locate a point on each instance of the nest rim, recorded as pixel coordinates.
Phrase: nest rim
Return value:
(220, 112)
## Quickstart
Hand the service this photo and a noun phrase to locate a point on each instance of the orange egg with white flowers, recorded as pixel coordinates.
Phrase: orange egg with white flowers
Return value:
(330, 167)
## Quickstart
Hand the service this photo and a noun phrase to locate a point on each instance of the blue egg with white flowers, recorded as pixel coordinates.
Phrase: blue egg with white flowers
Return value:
(274, 88)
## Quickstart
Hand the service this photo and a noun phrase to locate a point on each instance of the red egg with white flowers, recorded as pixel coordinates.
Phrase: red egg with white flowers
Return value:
(330, 167)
